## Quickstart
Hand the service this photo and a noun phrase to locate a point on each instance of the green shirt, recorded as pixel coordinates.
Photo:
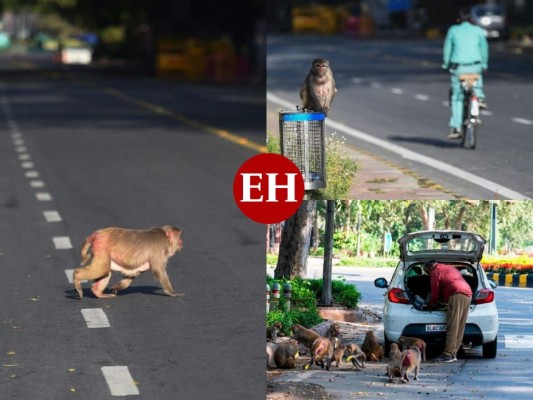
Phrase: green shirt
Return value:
(465, 43)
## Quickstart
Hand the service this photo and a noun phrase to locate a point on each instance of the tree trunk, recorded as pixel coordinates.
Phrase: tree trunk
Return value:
(295, 242)
(460, 217)
(424, 216)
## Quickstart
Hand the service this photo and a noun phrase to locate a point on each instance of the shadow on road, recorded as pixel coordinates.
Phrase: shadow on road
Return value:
(151, 290)
(428, 141)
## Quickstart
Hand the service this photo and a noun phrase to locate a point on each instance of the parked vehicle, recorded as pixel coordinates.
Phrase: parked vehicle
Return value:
(405, 312)
(492, 18)
(74, 51)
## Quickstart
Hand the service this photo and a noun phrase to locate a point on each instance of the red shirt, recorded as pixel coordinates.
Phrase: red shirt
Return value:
(446, 280)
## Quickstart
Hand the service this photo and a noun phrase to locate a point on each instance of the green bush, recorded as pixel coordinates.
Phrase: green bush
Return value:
(340, 171)
(272, 259)
(273, 144)
(302, 296)
(305, 296)
(303, 317)
(344, 294)
(303, 305)
(368, 262)
(345, 242)
(319, 252)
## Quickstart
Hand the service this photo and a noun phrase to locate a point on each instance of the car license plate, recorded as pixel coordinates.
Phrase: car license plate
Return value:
(435, 328)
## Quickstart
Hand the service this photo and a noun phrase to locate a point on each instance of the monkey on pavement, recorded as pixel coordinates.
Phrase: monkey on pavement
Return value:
(408, 342)
(304, 335)
(395, 362)
(286, 353)
(272, 331)
(321, 348)
(355, 355)
(371, 347)
(318, 90)
(410, 361)
(129, 251)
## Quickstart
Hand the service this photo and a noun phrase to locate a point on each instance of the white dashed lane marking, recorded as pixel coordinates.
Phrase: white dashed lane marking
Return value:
(24, 157)
(62, 242)
(52, 216)
(119, 380)
(36, 184)
(27, 165)
(95, 318)
(31, 174)
(522, 121)
(69, 273)
(518, 341)
(43, 196)
(423, 97)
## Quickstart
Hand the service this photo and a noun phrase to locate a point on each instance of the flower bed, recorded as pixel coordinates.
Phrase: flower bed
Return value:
(508, 264)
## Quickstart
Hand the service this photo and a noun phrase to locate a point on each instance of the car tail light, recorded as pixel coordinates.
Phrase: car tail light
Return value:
(398, 296)
(484, 296)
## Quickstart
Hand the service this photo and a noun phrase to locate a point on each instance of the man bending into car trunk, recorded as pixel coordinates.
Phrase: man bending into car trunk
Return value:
(449, 286)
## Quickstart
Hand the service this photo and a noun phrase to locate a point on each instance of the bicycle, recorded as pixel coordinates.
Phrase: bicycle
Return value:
(471, 119)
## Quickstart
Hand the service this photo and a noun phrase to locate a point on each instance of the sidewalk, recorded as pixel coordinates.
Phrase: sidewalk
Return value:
(377, 178)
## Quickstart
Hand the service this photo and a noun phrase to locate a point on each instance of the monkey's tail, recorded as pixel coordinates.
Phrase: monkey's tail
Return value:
(86, 249)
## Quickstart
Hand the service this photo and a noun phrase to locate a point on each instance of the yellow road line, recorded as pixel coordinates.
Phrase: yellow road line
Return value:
(240, 140)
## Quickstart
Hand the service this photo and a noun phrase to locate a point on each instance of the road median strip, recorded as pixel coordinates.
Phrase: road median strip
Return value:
(515, 280)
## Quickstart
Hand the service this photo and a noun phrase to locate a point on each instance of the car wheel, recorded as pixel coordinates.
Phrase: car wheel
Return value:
(490, 349)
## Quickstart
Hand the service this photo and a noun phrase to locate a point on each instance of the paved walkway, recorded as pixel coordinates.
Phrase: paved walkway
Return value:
(377, 178)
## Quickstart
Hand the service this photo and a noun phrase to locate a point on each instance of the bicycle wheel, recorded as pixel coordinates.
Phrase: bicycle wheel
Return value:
(469, 136)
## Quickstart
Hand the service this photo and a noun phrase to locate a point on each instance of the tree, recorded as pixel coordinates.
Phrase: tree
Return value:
(295, 242)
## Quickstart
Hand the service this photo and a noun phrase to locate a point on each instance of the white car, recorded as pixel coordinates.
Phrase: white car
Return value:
(405, 312)
(76, 55)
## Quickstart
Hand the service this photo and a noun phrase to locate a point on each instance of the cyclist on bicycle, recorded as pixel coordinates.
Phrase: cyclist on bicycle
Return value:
(465, 51)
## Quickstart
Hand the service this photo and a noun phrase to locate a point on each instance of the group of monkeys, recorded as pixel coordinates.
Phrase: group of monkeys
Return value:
(326, 348)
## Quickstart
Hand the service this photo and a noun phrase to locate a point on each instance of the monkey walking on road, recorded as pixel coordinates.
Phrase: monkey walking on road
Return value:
(318, 90)
(129, 251)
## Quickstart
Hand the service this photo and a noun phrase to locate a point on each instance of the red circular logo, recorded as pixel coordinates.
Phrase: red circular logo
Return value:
(268, 188)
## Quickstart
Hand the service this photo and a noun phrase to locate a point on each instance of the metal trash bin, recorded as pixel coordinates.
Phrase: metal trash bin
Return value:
(302, 141)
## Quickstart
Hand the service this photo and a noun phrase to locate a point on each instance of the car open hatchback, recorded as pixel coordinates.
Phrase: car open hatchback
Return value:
(405, 312)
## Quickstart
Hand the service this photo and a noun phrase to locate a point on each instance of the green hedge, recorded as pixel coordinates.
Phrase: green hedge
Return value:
(304, 300)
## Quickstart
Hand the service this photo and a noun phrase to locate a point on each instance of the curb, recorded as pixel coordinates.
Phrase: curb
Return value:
(516, 280)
